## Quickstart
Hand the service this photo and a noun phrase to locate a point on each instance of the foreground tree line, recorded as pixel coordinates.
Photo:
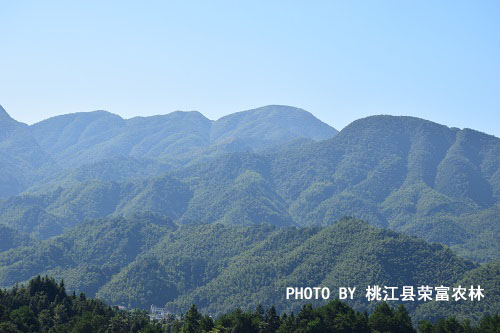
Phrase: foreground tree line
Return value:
(332, 317)
(44, 306)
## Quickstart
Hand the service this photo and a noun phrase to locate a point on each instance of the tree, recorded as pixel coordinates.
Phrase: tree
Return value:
(381, 319)
(192, 321)
(402, 320)
(272, 320)
(206, 323)
(425, 326)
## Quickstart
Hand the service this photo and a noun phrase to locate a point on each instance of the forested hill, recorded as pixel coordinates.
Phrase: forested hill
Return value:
(402, 173)
(146, 260)
(87, 255)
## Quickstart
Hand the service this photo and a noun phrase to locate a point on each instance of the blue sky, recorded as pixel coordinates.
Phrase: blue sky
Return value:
(439, 60)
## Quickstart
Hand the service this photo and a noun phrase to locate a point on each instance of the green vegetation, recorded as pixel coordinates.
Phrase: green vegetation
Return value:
(82, 138)
(88, 255)
(177, 210)
(145, 259)
(488, 276)
(47, 215)
(11, 238)
(402, 173)
(332, 317)
(22, 161)
(44, 306)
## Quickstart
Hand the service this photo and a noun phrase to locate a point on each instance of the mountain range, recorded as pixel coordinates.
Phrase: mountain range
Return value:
(401, 173)
(227, 213)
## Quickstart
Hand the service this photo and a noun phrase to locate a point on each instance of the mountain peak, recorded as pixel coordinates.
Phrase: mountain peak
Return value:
(271, 123)
(3, 113)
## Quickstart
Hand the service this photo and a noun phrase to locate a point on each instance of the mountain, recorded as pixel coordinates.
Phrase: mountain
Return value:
(88, 137)
(347, 253)
(113, 169)
(276, 124)
(88, 255)
(145, 260)
(36, 156)
(216, 194)
(402, 173)
(22, 161)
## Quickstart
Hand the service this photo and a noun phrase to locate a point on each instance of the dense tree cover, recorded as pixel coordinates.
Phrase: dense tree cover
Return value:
(332, 317)
(348, 253)
(274, 124)
(144, 260)
(488, 277)
(64, 208)
(11, 238)
(403, 173)
(88, 255)
(112, 169)
(43, 306)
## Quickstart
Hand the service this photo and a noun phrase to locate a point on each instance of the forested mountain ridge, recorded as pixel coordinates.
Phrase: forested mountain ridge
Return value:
(144, 260)
(403, 173)
(488, 277)
(81, 138)
(44, 153)
(11, 238)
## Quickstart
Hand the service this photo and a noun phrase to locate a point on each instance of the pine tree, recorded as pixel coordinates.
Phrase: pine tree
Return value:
(191, 321)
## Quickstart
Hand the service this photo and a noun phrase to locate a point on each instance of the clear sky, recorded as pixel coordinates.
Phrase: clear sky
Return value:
(439, 60)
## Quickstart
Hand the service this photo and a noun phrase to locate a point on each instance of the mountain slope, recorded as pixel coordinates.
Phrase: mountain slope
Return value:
(22, 161)
(144, 260)
(49, 214)
(347, 253)
(488, 277)
(404, 173)
(82, 138)
(11, 238)
(88, 255)
(117, 169)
